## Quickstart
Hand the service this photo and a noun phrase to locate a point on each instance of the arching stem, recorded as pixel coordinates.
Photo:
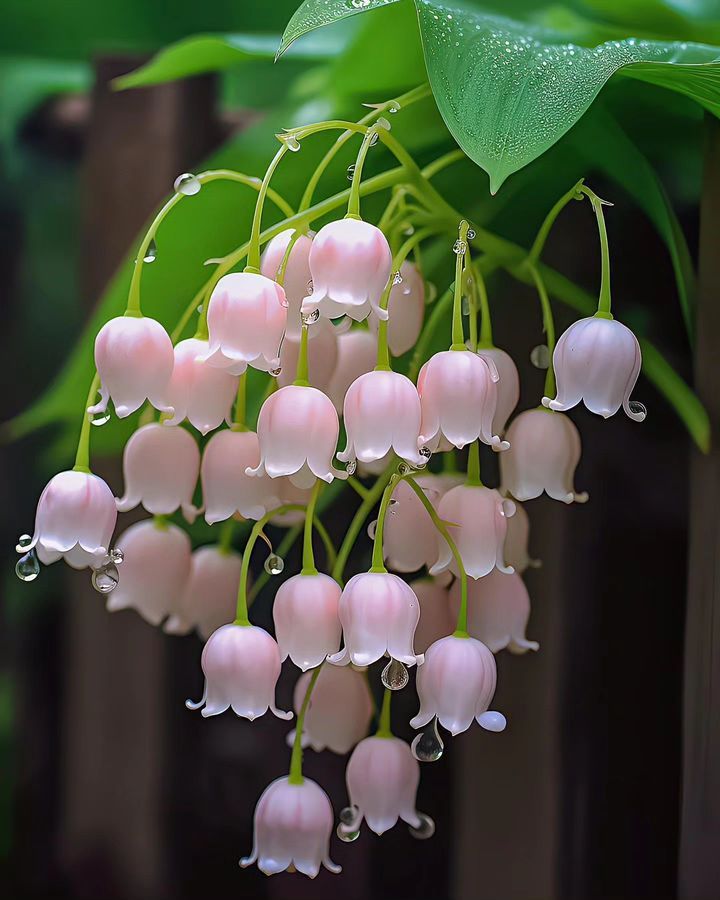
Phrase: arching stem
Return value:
(308, 558)
(82, 456)
(384, 724)
(549, 327)
(458, 334)
(604, 300)
(296, 759)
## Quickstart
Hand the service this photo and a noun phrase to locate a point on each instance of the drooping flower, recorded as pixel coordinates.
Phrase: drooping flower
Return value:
(241, 664)
(75, 520)
(477, 522)
(134, 359)
(246, 319)
(305, 612)
(516, 542)
(208, 598)
(197, 391)
(356, 355)
(508, 386)
(436, 620)
(350, 263)
(293, 824)
(297, 272)
(543, 455)
(227, 489)
(406, 310)
(597, 360)
(322, 355)
(409, 536)
(379, 614)
(298, 430)
(155, 570)
(458, 396)
(498, 611)
(381, 413)
(160, 466)
(457, 683)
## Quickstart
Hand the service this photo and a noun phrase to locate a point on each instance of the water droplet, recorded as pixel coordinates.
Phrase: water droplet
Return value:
(459, 247)
(374, 139)
(397, 278)
(359, 4)
(309, 318)
(638, 409)
(428, 746)
(471, 237)
(540, 356)
(351, 467)
(310, 286)
(393, 506)
(394, 107)
(117, 555)
(395, 676)
(199, 308)
(349, 816)
(105, 578)
(409, 230)
(403, 469)
(23, 543)
(426, 453)
(492, 721)
(372, 527)
(151, 252)
(187, 184)
(100, 418)
(274, 564)
(347, 835)
(465, 306)
(276, 372)
(350, 171)
(426, 829)
(27, 568)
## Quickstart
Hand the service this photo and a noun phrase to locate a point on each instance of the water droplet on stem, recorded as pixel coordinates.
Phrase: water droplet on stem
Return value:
(187, 184)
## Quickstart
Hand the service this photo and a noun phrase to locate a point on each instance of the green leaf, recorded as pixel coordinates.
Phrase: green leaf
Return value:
(313, 13)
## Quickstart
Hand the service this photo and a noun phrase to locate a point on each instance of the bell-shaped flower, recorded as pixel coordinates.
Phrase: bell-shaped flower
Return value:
(198, 392)
(340, 712)
(508, 386)
(543, 455)
(456, 684)
(409, 535)
(322, 355)
(379, 614)
(476, 518)
(597, 360)
(356, 355)
(209, 597)
(305, 612)
(382, 779)
(241, 664)
(381, 413)
(227, 488)
(134, 359)
(516, 542)
(293, 824)
(498, 611)
(160, 466)
(350, 263)
(155, 570)
(436, 619)
(75, 520)
(406, 310)
(297, 273)
(458, 397)
(298, 430)
(246, 319)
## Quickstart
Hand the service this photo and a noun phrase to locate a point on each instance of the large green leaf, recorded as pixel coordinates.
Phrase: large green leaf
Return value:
(313, 13)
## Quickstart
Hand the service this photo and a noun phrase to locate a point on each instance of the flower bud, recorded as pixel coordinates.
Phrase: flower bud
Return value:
(356, 355)
(227, 489)
(305, 612)
(199, 392)
(209, 598)
(508, 386)
(297, 272)
(406, 311)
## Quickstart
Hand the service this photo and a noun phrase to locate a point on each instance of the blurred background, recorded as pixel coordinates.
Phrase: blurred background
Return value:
(108, 786)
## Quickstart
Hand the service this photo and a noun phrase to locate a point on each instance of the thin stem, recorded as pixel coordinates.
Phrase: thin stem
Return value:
(301, 370)
(472, 296)
(473, 469)
(548, 325)
(458, 335)
(440, 308)
(378, 564)
(330, 551)
(82, 456)
(280, 274)
(604, 300)
(308, 558)
(241, 404)
(358, 487)
(353, 210)
(486, 334)
(296, 759)
(282, 550)
(253, 260)
(539, 243)
(384, 724)
(226, 536)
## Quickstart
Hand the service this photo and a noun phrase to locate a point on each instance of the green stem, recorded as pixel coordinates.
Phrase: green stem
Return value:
(486, 334)
(363, 511)
(604, 300)
(308, 558)
(296, 775)
(226, 536)
(378, 564)
(458, 335)
(442, 162)
(82, 456)
(330, 551)
(548, 325)
(353, 210)
(253, 260)
(539, 243)
(301, 371)
(472, 295)
(280, 274)
(241, 404)
(282, 550)
(473, 470)
(384, 724)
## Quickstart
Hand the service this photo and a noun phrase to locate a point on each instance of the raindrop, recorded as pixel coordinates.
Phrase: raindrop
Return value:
(393, 506)
(310, 286)
(351, 467)
(425, 830)
(27, 568)
(349, 816)
(470, 236)
(359, 4)
(426, 453)
(428, 746)
(395, 676)
(373, 139)
(100, 418)
(309, 318)
(459, 247)
(187, 184)
(638, 409)
(371, 529)
(350, 171)
(394, 107)
(116, 555)
(347, 835)
(492, 721)
(105, 578)
(274, 564)
(151, 252)
(276, 372)
(397, 278)
(23, 543)
(540, 356)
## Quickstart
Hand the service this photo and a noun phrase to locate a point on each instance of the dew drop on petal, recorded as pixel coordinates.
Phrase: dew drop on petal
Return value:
(274, 564)
(309, 318)
(395, 676)
(310, 286)
(540, 356)
(428, 746)
(637, 409)
(426, 829)
(359, 4)
(351, 467)
(105, 578)
(371, 529)
(276, 372)
(116, 555)
(27, 568)
(151, 252)
(492, 721)
(187, 184)
(23, 543)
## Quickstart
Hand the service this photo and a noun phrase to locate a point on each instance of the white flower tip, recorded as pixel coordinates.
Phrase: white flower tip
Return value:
(546, 401)
(499, 445)
(286, 715)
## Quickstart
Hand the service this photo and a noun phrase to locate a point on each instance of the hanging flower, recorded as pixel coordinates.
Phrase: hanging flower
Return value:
(406, 310)
(208, 598)
(155, 570)
(322, 355)
(381, 413)
(597, 360)
(160, 467)
(498, 611)
(436, 620)
(356, 355)
(350, 263)
(458, 396)
(456, 684)
(543, 456)
(297, 272)
(199, 392)
(298, 431)
(241, 664)
(227, 489)
(409, 536)
(75, 520)
(508, 386)
(379, 614)
(246, 319)
(305, 612)
(293, 824)
(134, 359)
(516, 542)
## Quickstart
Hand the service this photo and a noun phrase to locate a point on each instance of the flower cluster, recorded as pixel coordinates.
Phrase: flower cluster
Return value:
(327, 319)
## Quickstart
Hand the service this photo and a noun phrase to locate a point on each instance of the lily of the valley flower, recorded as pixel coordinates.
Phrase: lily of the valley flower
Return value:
(305, 612)
(201, 393)
(297, 272)
(406, 310)
(356, 355)
(516, 542)
(409, 536)
(508, 386)
(208, 598)
(227, 488)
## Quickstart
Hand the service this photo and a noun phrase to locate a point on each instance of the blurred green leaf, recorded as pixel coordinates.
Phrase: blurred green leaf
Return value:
(692, 20)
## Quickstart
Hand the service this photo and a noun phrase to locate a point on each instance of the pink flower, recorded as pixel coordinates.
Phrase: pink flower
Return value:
(381, 413)
(498, 611)
(597, 360)
(290, 494)
(75, 519)
(246, 318)
(241, 664)
(209, 597)
(508, 386)
(199, 392)
(134, 359)
(516, 542)
(297, 272)
(544, 453)
(305, 612)
(160, 467)
(356, 355)
(436, 620)
(477, 522)
(293, 824)
(406, 311)
(322, 355)
(298, 431)
(339, 712)
(350, 262)
(227, 489)
(379, 614)
(458, 396)
(409, 537)
(155, 570)
(456, 684)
